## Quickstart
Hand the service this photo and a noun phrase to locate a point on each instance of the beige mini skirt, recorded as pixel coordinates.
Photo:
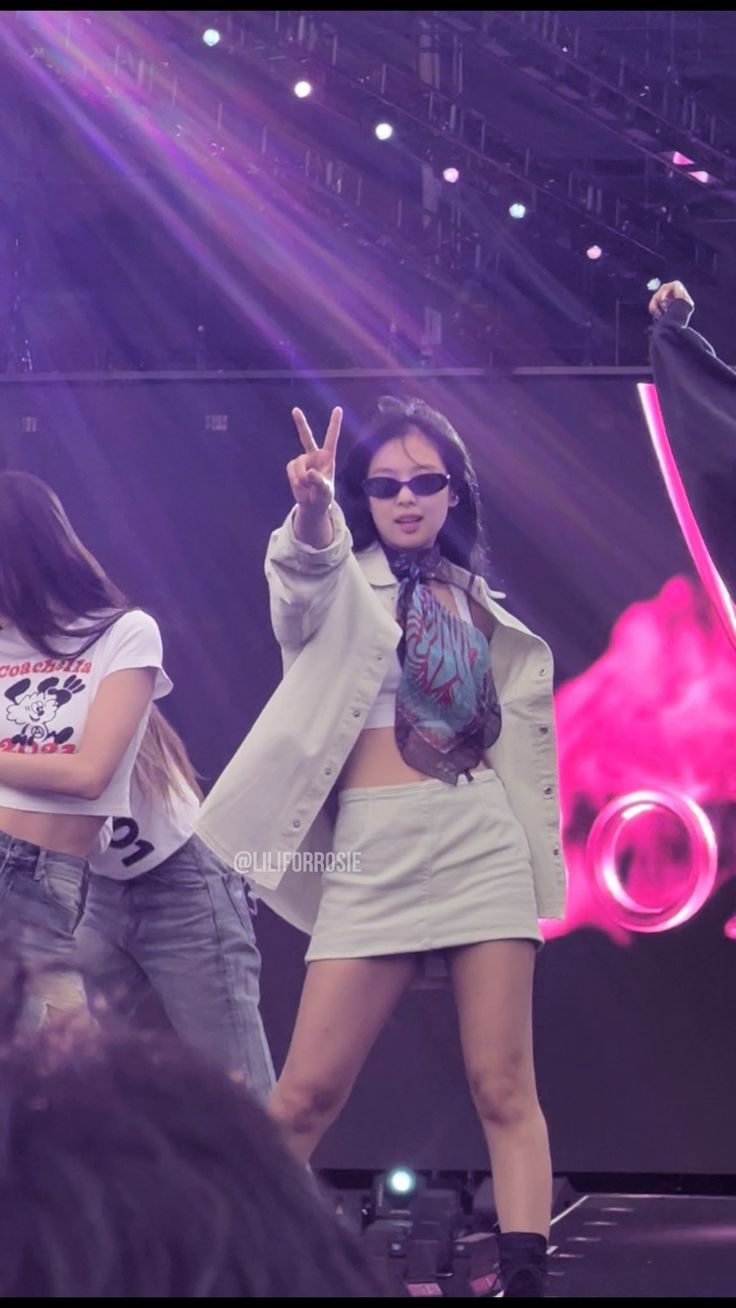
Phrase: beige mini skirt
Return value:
(425, 866)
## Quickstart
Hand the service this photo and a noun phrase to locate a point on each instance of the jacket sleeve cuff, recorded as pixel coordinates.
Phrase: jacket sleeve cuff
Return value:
(286, 548)
(678, 314)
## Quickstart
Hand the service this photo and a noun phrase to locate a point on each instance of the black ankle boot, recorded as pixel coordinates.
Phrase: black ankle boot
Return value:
(523, 1264)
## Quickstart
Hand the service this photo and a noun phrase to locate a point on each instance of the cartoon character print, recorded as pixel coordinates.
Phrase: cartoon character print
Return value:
(33, 710)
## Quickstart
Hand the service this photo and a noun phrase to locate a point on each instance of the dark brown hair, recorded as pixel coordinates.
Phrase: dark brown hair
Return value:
(48, 578)
(162, 762)
(132, 1168)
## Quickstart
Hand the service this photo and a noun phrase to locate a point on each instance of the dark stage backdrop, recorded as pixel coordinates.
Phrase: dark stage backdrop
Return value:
(176, 485)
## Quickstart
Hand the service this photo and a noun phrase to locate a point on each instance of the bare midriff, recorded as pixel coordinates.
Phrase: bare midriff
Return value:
(375, 759)
(66, 833)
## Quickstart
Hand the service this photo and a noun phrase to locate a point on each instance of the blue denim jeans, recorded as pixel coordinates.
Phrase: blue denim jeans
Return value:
(42, 898)
(176, 946)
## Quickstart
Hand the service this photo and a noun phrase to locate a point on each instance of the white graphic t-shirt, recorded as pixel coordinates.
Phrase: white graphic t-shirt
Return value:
(153, 832)
(44, 703)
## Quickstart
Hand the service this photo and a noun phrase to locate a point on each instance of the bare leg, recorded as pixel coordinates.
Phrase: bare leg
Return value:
(344, 1004)
(493, 991)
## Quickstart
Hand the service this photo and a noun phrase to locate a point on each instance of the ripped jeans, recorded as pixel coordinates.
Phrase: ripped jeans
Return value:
(42, 899)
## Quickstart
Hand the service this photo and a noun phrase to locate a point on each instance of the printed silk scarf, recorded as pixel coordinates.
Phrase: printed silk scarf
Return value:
(447, 710)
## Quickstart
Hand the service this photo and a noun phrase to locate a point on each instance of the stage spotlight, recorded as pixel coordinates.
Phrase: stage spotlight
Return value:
(451, 175)
(302, 89)
(594, 252)
(400, 1181)
(384, 131)
(653, 284)
(211, 36)
(517, 210)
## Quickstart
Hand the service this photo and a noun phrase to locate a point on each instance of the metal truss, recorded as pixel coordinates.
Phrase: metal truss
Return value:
(649, 110)
(564, 198)
(457, 240)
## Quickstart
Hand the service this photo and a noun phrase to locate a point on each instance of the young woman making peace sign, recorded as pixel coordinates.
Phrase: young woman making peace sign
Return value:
(426, 709)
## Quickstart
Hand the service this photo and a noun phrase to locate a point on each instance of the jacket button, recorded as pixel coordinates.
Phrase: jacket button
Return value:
(543, 731)
(548, 790)
(356, 713)
(296, 823)
(556, 850)
(542, 672)
(328, 772)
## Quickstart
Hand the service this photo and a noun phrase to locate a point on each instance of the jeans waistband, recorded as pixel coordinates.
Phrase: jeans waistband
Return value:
(34, 856)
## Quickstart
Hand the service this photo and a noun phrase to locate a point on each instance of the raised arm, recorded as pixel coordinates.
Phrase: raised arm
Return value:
(696, 390)
(305, 556)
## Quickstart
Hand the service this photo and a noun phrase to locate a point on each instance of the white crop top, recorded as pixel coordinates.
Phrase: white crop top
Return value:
(44, 703)
(129, 846)
(383, 712)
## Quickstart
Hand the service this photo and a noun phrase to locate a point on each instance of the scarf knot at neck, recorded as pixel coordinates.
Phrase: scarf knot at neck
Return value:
(414, 565)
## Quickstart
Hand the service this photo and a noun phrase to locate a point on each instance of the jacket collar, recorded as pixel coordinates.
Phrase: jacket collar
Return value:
(376, 570)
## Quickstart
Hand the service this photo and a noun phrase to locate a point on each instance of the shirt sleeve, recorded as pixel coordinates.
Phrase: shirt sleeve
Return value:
(135, 642)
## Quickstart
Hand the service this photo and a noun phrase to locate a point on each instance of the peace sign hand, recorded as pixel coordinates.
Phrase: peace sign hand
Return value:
(312, 474)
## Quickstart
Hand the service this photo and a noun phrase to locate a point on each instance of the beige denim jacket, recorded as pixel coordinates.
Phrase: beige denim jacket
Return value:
(332, 614)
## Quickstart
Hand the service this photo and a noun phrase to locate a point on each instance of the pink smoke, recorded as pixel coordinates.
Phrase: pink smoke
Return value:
(656, 713)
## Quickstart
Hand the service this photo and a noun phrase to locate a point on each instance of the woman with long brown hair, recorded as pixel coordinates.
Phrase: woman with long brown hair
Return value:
(167, 935)
(79, 668)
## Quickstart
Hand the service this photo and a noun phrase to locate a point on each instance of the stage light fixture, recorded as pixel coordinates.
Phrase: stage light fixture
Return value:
(517, 210)
(211, 37)
(451, 175)
(302, 89)
(400, 1181)
(384, 131)
(594, 252)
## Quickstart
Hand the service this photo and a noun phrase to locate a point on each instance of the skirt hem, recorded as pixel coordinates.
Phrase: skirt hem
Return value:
(477, 938)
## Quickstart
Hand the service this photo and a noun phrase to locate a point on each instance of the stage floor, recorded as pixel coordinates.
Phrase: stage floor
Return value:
(645, 1246)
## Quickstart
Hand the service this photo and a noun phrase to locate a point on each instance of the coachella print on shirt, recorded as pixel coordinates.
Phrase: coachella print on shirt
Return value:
(33, 708)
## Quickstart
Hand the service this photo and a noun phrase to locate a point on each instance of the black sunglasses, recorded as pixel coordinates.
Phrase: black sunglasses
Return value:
(425, 483)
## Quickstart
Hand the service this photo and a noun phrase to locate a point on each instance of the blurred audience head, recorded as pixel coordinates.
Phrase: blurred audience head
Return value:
(129, 1168)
